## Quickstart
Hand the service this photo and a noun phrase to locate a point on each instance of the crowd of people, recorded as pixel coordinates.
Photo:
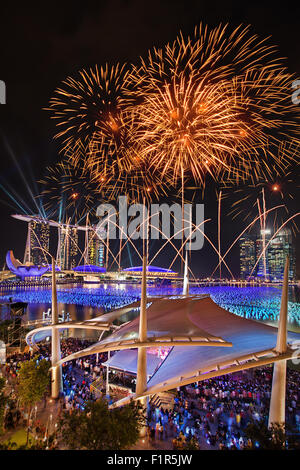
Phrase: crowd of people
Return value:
(209, 414)
(217, 411)
(119, 378)
(78, 374)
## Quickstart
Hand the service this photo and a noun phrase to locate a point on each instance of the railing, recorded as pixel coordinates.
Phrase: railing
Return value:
(9, 285)
(47, 321)
(97, 385)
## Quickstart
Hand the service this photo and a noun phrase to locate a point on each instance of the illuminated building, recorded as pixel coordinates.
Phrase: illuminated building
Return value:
(261, 243)
(68, 247)
(280, 247)
(95, 251)
(247, 255)
(37, 244)
(38, 240)
(152, 272)
(271, 265)
(23, 271)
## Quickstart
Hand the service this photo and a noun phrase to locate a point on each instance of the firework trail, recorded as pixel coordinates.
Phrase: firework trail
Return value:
(277, 188)
(71, 191)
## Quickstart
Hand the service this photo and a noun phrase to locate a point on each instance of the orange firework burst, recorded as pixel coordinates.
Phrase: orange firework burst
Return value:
(190, 127)
(218, 103)
(71, 190)
(89, 111)
(138, 183)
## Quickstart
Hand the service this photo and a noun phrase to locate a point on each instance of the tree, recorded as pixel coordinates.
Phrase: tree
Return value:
(192, 444)
(33, 383)
(267, 438)
(99, 428)
(9, 445)
(3, 401)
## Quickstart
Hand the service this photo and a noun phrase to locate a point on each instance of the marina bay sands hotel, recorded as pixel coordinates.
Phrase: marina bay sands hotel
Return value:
(68, 254)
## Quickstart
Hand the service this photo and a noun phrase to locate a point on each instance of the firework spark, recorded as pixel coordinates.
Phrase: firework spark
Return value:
(215, 105)
(139, 184)
(89, 113)
(218, 104)
(246, 200)
(70, 190)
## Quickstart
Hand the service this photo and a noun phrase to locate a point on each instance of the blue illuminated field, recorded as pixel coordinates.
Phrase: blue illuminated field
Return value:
(261, 303)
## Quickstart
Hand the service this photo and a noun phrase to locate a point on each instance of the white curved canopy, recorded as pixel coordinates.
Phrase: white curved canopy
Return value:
(198, 329)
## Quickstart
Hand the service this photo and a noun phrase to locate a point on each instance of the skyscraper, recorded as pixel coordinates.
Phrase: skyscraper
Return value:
(37, 244)
(269, 266)
(67, 247)
(262, 269)
(247, 255)
(95, 249)
(280, 247)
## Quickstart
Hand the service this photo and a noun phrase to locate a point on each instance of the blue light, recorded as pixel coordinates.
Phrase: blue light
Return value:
(21, 270)
(89, 268)
(258, 303)
(150, 269)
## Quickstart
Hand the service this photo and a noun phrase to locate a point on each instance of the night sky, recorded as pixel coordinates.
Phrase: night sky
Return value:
(43, 44)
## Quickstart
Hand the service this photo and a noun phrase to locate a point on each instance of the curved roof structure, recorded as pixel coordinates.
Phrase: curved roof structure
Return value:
(250, 341)
(150, 269)
(23, 270)
(89, 268)
(129, 360)
(204, 339)
(57, 268)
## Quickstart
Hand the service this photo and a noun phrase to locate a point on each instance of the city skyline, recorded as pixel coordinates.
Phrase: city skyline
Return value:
(253, 263)
(69, 255)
